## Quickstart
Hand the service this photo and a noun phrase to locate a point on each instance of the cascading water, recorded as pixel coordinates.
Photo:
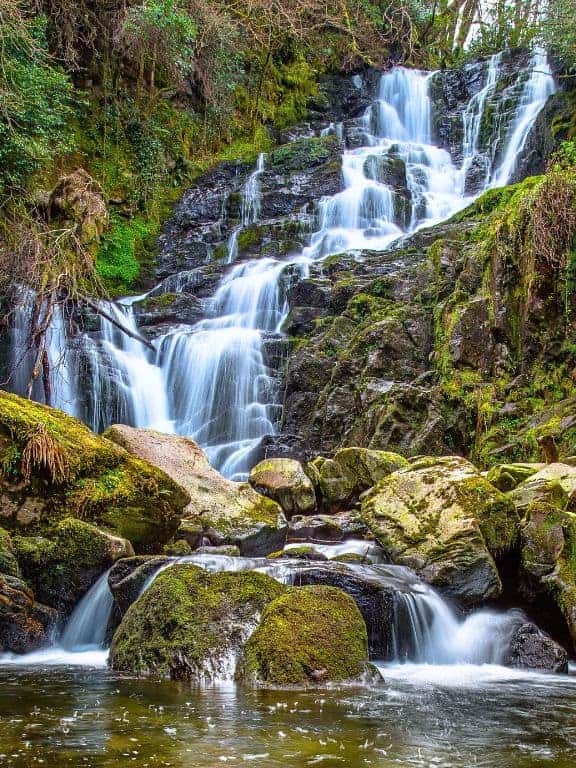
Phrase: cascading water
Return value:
(87, 626)
(210, 380)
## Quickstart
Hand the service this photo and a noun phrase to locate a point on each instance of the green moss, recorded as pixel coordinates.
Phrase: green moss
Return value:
(308, 635)
(188, 620)
(8, 562)
(103, 483)
(299, 155)
(163, 301)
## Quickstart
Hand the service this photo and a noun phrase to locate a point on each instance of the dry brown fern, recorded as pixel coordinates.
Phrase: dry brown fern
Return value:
(42, 452)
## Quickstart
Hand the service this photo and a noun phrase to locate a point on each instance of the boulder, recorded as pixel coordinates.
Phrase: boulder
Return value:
(62, 566)
(53, 466)
(8, 562)
(530, 648)
(554, 484)
(307, 636)
(219, 510)
(326, 528)
(506, 477)
(285, 481)
(342, 479)
(302, 552)
(444, 520)
(25, 625)
(190, 624)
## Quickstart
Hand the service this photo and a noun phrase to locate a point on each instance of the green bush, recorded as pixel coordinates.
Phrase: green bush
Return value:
(36, 103)
(117, 262)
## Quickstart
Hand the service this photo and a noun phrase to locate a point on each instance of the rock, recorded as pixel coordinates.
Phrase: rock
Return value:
(8, 562)
(553, 484)
(25, 625)
(85, 476)
(226, 550)
(377, 597)
(326, 528)
(178, 548)
(63, 565)
(307, 636)
(300, 553)
(443, 519)
(128, 576)
(506, 477)
(79, 199)
(285, 481)
(530, 648)
(190, 624)
(352, 471)
(223, 511)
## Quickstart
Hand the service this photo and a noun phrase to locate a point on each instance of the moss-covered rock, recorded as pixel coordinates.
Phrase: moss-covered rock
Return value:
(554, 484)
(301, 552)
(220, 510)
(444, 520)
(191, 624)
(8, 562)
(307, 636)
(285, 481)
(62, 565)
(506, 477)
(352, 471)
(128, 576)
(53, 466)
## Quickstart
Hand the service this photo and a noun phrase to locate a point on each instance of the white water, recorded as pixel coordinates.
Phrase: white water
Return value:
(211, 381)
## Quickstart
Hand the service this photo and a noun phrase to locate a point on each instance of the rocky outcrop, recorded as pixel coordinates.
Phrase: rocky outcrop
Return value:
(444, 520)
(127, 578)
(191, 625)
(219, 510)
(307, 636)
(54, 467)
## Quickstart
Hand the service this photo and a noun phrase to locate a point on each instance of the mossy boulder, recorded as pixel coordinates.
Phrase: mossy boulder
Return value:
(352, 471)
(53, 466)
(301, 552)
(307, 636)
(25, 625)
(64, 564)
(506, 477)
(548, 557)
(8, 562)
(553, 484)
(444, 520)
(190, 624)
(219, 510)
(285, 481)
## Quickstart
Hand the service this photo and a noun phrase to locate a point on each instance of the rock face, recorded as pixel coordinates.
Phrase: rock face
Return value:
(127, 578)
(54, 467)
(285, 481)
(307, 636)
(191, 625)
(219, 510)
(530, 648)
(63, 564)
(443, 519)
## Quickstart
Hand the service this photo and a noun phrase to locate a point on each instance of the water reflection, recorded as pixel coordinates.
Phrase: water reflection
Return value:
(454, 717)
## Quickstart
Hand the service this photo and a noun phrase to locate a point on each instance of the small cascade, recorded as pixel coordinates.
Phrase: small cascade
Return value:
(472, 119)
(88, 624)
(251, 201)
(538, 88)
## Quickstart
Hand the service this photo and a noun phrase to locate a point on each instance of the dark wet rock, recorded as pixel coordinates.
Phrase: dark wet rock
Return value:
(127, 578)
(25, 625)
(326, 528)
(530, 648)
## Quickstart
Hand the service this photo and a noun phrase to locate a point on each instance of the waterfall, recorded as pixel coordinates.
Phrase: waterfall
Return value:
(538, 88)
(211, 380)
(88, 624)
